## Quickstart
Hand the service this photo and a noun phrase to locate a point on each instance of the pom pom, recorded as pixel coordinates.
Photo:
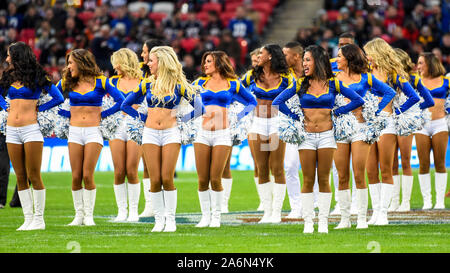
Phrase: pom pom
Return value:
(374, 124)
(61, 126)
(290, 130)
(3, 120)
(238, 128)
(188, 130)
(110, 124)
(411, 120)
(345, 124)
(46, 119)
(135, 126)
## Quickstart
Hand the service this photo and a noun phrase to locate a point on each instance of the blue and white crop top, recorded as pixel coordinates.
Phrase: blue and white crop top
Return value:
(22, 92)
(399, 83)
(235, 92)
(323, 101)
(114, 80)
(440, 92)
(93, 97)
(424, 92)
(145, 91)
(248, 80)
(369, 82)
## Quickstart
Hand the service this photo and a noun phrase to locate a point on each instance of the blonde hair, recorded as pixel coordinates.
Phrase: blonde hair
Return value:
(406, 61)
(128, 62)
(169, 74)
(384, 57)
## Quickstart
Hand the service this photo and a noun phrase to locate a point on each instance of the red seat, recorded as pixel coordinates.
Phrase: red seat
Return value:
(203, 16)
(225, 17)
(86, 15)
(263, 7)
(212, 6)
(273, 3)
(231, 7)
(188, 44)
(333, 15)
(28, 36)
(244, 49)
(157, 17)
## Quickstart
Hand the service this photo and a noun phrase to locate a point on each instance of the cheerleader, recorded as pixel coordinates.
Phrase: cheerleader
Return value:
(434, 135)
(161, 140)
(317, 93)
(24, 80)
(125, 152)
(213, 143)
(387, 68)
(353, 68)
(146, 47)
(270, 77)
(404, 143)
(86, 87)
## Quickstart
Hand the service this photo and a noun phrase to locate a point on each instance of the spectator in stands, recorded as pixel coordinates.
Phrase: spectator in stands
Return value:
(361, 30)
(417, 15)
(143, 26)
(52, 54)
(172, 25)
(31, 18)
(189, 68)
(240, 25)
(398, 41)
(214, 26)
(231, 47)
(410, 31)
(392, 19)
(344, 23)
(14, 19)
(122, 18)
(445, 48)
(69, 33)
(427, 38)
(304, 37)
(192, 26)
(101, 15)
(73, 13)
(321, 22)
(102, 49)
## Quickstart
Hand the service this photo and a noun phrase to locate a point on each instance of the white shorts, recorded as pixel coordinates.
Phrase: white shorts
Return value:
(433, 127)
(390, 127)
(24, 134)
(161, 137)
(359, 136)
(85, 135)
(265, 126)
(315, 141)
(121, 132)
(214, 138)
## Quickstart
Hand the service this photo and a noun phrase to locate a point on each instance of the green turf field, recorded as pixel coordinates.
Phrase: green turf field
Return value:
(239, 232)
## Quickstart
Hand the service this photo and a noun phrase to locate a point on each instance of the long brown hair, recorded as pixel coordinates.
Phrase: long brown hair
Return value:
(87, 68)
(222, 64)
(435, 67)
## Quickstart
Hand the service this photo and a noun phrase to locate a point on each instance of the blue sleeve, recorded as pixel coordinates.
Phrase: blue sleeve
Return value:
(3, 103)
(199, 108)
(133, 98)
(428, 100)
(117, 96)
(57, 98)
(284, 96)
(64, 113)
(383, 90)
(409, 91)
(355, 99)
(244, 97)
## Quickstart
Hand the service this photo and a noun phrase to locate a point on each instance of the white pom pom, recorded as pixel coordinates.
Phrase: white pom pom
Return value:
(3, 120)
(188, 130)
(110, 124)
(135, 126)
(290, 130)
(238, 128)
(345, 124)
(61, 126)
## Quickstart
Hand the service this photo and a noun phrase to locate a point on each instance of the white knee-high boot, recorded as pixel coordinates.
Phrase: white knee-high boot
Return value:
(89, 204)
(279, 193)
(134, 191)
(79, 208)
(337, 207)
(425, 188)
(216, 203)
(170, 206)
(344, 200)
(308, 212)
(354, 197)
(440, 183)
(148, 209)
(324, 202)
(120, 192)
(227, 184)
(407, 184)
(39, 208)
(266, 191)
(386, 197)
(395, 202)
(374, 190)
(158, 208)
(362, 197)
(205, 206)
(26, 200)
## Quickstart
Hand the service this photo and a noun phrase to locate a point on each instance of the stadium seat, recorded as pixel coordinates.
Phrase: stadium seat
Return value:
(272, 3)
(333, 15)
(244, 49)
(28, 36)
(188, 44)
(212, 6)
(263, 7)
(231, 7)
(225, 17)
(85, 16)
(163, 7)
(203, 16)
(157, 17)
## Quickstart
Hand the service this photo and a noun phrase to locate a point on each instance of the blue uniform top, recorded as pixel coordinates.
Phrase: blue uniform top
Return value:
(223, 98)
(440, 92)
(114, 80)
(423, 91)
(334, 66)
(93, 97)
(248, 81)
(399, 83)
(144, 74)
(325, 100)
(368, 82)
(145, 91)
(22, 92)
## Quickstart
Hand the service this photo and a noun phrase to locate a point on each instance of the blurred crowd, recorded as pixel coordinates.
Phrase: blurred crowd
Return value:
(413, 25)
(191, 27)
